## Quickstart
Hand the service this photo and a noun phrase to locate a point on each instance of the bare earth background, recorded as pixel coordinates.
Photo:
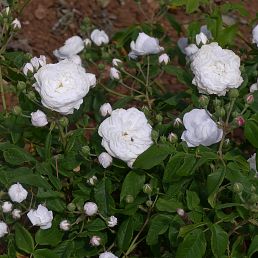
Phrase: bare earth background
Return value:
(47, 23)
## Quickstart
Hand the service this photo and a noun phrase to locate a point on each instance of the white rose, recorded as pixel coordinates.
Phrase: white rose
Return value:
(200, 129)
(16, 214)
(28, 67)
(6, 10)
(191, 50)
(35, 62)
(164, 58)
(16, 24)
(144, 45)
(17, 193)
(42, 60)
(87, 42)
(182, 43)
(38, 118)
(7, 207)
(105, 159)
(177, 122)
(107, 255)
(126, 134)
(255, 35)
(216, 70)
(3, 229)
(41, 217)
(201, 38)
(75, 59)
(64, 225)
(90, 208)
(112, 221)
(95, 241)
(252, 163)
(63, 86)
(114, 74)
(116, 62)
(105, 109)
(253, 87)
(72, 46)
(99, 37)
(92, 180)
(204, 29)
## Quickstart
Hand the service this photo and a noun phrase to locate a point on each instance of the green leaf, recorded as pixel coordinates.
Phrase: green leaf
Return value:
(171, 19)
(153, 156)
(192, 199)
(48, 146)
(159, 225)
(125, 234)
(132, 184)
(24, 176)
(188, 228)
(251, 130)
(43, 253)
(65, 249)
(96, 225)
(17, 156)
(181, 164)
(102, 193)
(168, 205)
(219, 240)
(253, 248)
(51, 236)
(214, 181)
(182, 76)
(23, 239)
(194, 245)
(192, 5)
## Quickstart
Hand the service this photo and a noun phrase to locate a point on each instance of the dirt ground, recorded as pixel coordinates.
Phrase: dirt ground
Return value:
(47, 23)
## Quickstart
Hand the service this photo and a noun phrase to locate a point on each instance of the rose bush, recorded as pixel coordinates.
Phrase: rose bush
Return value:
(115, 162)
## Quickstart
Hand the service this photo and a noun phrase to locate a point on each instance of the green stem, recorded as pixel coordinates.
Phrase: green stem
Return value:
(132, 89)
(224, 130)
(2, 91)
(147, 82)
(134, 242)
(134, 77)
(63, 136)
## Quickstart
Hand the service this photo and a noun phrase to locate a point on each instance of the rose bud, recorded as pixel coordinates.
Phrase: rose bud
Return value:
(249, 99)
(240, 121)
(90, 208)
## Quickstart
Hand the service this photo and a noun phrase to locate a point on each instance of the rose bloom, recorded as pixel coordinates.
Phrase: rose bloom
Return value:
(41, 217)
(126, 134)
(255, 35)
(112, 221)
(254, 87)
(114, 74)
(105, 109)
(99, 37)
(164, 58)
(107, 255)
(144, 45)
(90, 208)
(63, 86)
(3, 229)
(38, 118)
(252, 163)
(216, 70)
(17, 193)
(72, 46)
(200, 129)
(105, 159)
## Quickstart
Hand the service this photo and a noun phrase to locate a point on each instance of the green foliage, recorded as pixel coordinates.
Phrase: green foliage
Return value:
(171, 200)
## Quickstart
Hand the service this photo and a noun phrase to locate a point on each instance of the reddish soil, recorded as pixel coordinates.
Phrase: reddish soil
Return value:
(47, 23)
